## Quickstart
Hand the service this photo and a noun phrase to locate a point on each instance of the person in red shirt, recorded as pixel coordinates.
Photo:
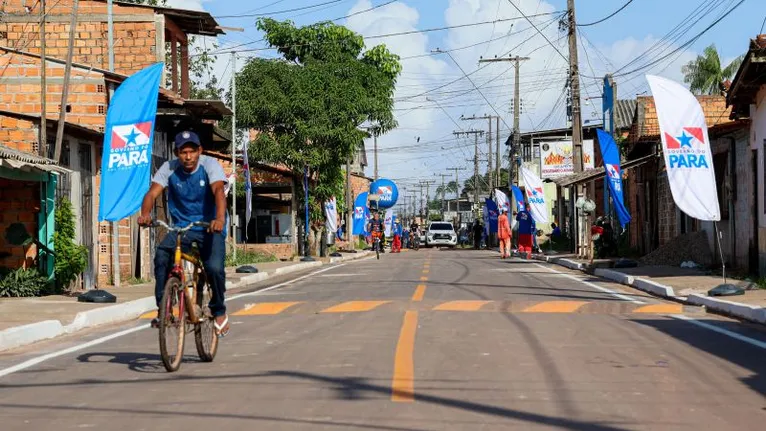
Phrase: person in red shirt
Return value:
(504, 234)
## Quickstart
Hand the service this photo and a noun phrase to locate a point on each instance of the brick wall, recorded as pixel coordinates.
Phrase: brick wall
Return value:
(19, 203)
(134, 33)
(18, 134)
(359, 185)
(281, 251)
(667, 220)
(20, 90)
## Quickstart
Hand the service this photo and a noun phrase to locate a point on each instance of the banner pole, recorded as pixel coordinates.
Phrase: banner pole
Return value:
(718, 235)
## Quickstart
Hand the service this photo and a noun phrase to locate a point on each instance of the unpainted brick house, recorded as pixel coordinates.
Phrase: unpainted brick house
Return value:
(143, 35)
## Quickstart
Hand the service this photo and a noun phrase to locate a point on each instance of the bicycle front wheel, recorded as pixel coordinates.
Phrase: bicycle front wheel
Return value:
(172, 325)
(204, 332)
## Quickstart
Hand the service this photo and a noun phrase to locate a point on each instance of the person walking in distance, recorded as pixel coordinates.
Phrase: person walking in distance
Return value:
(526, 230)
(477, 231)
(504, 234)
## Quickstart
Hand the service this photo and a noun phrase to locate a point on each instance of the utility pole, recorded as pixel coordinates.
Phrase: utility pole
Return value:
(428, 193)
(375, 141)
(497, 148)
(457, 187)
(115, 225)
(65, 89)
(574, 82)
(475, 134)
(43, 148)
(516, 100)
(444, 190)
(491, 183)
(234, 217)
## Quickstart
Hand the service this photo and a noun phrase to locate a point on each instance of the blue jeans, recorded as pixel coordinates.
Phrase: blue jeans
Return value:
(213, 255)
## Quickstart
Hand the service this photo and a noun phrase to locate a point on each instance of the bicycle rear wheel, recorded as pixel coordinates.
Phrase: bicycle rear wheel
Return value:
(172, 326)
(204, 332)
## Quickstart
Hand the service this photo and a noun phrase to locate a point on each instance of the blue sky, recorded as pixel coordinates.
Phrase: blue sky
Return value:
(429, 104)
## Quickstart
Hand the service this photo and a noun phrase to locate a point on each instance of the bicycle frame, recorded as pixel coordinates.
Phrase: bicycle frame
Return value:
(188, 288)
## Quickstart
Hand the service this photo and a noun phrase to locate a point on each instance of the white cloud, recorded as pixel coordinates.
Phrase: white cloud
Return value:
(416, 77)
(187, 4)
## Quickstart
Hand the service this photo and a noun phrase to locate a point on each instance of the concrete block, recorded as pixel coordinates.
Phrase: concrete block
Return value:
(297, 267)
(571, 264)
(653, 287)
(751, 313)
(251, 279)
(111, 314)
(27, 334)
(613, 275)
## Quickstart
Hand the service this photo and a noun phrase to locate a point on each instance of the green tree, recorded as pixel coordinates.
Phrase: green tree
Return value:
(468, 184)
(310, 104)
(705, 75)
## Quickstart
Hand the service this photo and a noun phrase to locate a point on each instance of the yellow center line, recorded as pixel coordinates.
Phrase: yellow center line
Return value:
(426, 271)
(661, 308)
(419, 292)
(354, 306)
(555, 307)
(266, 308)
(461, 306)
(403, 383)
(423, 278)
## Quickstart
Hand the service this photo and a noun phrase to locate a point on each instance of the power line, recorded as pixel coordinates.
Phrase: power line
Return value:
(280, 12)
(538, 30)
(606, 17)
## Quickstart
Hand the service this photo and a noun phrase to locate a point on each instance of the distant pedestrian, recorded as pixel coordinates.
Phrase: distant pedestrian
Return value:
(555, 231)
(477, 231)
(504, 234)
(526, 232)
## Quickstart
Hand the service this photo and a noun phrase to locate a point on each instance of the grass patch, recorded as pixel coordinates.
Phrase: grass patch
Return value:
(249, 257)
(136, 280)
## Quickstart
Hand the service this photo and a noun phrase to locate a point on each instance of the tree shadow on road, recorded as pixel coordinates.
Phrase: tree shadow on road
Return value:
(729, 349)
(139, 362)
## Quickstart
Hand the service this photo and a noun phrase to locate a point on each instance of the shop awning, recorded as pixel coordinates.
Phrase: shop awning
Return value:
(596, 173)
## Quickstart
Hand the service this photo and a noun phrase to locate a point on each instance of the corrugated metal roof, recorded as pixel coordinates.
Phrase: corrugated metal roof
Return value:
(624, 111)
(21, 156)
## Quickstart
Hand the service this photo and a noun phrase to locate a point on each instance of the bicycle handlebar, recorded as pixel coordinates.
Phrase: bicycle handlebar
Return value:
(160, 223)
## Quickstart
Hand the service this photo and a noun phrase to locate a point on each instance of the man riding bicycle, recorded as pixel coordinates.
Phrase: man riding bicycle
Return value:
(195, 185)
(376, 229)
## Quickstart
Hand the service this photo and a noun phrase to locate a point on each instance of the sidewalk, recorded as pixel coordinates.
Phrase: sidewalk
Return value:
(28, 320)
(685, 285)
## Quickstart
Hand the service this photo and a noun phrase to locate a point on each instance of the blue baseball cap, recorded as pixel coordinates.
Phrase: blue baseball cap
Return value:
(186, 137)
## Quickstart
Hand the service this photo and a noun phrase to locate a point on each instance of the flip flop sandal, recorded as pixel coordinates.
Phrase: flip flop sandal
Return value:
(223, 329)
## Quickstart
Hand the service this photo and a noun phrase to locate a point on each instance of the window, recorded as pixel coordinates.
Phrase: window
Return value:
(536, 152)
(85, 159)
(440, 226)
(721, 166)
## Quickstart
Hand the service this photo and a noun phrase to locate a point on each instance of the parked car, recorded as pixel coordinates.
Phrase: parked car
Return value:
(441, 233)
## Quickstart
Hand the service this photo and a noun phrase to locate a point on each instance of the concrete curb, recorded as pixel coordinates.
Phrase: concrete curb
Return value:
(652, 287)
(615, 276)
(752, 313)
(111, 314)
(297, 267)
(18, 336)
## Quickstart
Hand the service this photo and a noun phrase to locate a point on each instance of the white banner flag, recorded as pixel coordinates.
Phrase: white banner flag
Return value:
(502, 201)
(331, 215)
(388, 221)
(230, 183)
(533, 186)
(685, 143)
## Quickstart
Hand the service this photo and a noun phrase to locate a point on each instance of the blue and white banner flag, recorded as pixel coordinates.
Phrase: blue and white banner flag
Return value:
(686, 147)
(128, 137)
(518, 196)
(361, 214)
(611, 156)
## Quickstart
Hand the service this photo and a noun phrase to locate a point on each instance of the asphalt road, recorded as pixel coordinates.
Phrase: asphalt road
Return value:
(426, 340)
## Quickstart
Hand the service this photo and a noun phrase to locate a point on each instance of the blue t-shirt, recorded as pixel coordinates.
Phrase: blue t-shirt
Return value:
(190, 198)
(526, 223)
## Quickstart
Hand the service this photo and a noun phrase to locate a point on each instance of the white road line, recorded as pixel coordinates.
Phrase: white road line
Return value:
(740, 337)
(593, 286)
(39, 359)
(34, 361)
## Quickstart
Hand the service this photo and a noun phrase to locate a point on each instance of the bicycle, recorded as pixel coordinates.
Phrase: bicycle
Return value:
(376, 246)
(183, 307)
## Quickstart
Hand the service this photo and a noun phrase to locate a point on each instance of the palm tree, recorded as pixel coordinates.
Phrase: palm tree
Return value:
(705, 75)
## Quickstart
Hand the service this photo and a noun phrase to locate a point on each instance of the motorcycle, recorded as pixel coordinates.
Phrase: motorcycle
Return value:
(602, 235)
